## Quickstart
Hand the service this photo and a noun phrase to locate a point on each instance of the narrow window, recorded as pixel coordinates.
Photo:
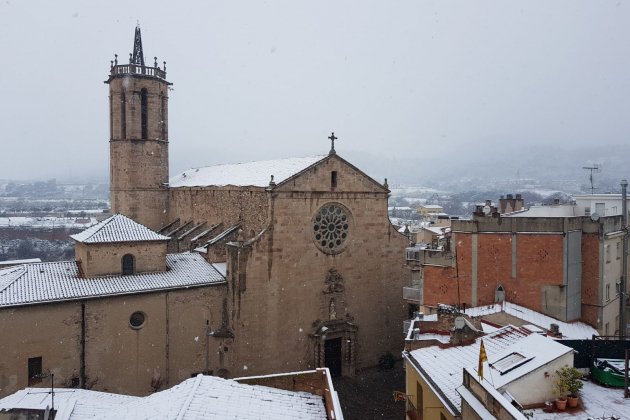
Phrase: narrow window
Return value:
(34, 370)
(144, 113)
(333, 179)
(123, 116)
(619, 250)
(419, 401)
(607, 292)
(163, 117)
(127, 264)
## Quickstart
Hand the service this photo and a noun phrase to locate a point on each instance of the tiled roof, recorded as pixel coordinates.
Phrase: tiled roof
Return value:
(569, 330)
(54, 281)
(202, 397)
(117, 228)
(443, 366)
(257, 174)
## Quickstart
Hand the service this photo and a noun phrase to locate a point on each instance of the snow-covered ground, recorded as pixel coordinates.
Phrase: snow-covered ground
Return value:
(47, 222)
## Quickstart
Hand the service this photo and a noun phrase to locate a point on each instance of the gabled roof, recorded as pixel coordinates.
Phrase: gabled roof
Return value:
(256, 174)
(117, 228)
(442, 367)
(57, 281)
(202, 397)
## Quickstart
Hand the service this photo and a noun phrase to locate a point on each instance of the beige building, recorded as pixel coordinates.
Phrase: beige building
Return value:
(294, 266)
(518, 363)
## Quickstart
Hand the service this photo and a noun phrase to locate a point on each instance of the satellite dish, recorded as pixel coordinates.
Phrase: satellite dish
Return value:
(594, 217)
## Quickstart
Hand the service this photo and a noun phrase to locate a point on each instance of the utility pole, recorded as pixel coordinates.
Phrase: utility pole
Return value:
(624, 261)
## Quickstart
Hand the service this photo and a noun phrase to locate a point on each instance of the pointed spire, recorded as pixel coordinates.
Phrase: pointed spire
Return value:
(138, 55)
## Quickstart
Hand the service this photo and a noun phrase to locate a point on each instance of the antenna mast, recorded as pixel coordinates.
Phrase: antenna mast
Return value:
(595, 167)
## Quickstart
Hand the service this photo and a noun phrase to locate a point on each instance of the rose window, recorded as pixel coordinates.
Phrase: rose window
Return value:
(330, 228)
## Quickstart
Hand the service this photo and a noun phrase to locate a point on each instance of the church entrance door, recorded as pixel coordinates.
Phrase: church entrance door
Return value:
(332, 356)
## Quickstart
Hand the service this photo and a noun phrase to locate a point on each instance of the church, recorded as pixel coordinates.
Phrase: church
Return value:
(229, 270)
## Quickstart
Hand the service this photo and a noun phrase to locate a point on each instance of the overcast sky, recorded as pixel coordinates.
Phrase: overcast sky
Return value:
(269, 79)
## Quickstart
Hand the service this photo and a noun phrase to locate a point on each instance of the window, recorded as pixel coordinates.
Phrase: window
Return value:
(144, 113)
(123, 116)
(606, 329)
(333, 179)
(128, 264)
(163, 117)
(419, 401)
(330, 228)
(619, 250)
(510, 362)
(600, 208)
(137, 319)
(34, 370)
(607, 250)
(607, 292)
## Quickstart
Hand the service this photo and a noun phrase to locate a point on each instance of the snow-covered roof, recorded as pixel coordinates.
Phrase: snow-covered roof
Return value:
(562, 210)
(442, 367)
(117, 228)
(437, 230)
(257, 174)
(54, 281)
(431, 206)
(202, 397)
(570, 330)
(17, 262)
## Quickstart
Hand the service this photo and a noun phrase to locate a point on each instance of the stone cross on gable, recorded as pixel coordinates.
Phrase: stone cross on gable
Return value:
(332, 139)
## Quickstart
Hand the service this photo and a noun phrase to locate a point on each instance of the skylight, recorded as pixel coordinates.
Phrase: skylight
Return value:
(510, 362)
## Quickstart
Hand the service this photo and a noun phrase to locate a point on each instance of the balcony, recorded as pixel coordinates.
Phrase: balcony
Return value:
(413, 294)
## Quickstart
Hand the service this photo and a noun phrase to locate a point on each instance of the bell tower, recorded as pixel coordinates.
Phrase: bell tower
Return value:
(138, 144)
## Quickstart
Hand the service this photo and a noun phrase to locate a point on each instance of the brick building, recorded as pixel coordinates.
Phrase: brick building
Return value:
(564, 266)
(274, 266)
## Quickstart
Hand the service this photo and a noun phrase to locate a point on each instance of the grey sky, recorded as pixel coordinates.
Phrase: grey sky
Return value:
(257, 80)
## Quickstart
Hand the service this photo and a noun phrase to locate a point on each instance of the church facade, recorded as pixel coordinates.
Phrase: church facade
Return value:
(245, 269)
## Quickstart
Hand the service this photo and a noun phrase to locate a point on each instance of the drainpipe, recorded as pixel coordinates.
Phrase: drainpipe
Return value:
(624, 261)
(82, 353)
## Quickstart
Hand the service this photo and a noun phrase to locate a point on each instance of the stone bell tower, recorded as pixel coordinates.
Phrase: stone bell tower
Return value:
(138, 145)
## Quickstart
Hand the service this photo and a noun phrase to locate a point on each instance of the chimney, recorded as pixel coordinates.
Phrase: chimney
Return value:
(554, 330)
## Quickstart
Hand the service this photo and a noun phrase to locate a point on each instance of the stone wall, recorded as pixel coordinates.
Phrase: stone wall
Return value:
(247, 206)
(172, 344)
(139, 166)
(106, 259)
(282, 293)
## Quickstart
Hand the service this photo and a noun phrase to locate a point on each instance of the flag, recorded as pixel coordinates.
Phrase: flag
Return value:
(483, 357)
(399, 396)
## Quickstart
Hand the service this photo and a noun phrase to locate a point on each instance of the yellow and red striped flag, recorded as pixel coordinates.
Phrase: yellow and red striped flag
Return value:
(483, 357)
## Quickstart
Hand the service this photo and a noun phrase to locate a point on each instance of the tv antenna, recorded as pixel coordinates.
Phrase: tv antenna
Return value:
(594, 168)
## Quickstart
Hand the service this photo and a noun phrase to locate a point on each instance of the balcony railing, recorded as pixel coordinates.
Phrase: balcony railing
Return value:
(413, 294)
(140, 70)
